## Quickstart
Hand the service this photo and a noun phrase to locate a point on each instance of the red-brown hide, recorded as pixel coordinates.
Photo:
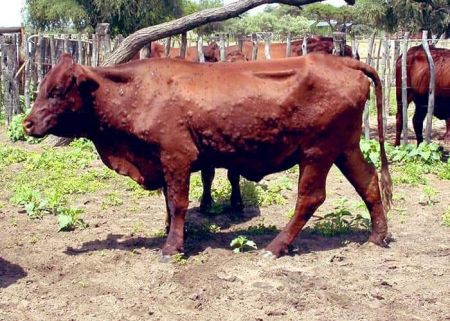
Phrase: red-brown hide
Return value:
(157, 120)
(418, 74)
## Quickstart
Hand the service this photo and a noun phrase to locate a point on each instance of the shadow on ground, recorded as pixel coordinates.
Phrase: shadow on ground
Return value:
(199, 236)
(10, 273)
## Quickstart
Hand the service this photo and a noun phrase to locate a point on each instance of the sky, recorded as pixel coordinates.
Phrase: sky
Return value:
(11, 16)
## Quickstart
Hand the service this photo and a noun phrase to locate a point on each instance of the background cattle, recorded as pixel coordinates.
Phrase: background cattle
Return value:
(418, 88)
(152, 121)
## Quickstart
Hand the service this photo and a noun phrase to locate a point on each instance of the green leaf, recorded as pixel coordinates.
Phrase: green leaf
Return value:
(65, 222)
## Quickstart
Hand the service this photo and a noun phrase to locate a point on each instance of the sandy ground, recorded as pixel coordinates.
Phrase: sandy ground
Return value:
(111, 270)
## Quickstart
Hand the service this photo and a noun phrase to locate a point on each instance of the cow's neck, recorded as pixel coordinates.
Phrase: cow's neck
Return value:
(113, 100)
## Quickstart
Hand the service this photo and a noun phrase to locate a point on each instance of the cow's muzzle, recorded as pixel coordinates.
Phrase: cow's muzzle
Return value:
(31, 129)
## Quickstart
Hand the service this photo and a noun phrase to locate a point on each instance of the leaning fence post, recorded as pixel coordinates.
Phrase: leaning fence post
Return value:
(9, 67)
(255, 46)
(432, 84)
(201, 55)
(405, 89)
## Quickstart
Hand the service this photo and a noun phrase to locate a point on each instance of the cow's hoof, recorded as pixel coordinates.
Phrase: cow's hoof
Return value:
(237, 208)
(381, 241)
(165, 258)
(267, 254)
(205, 208)
(277, 249)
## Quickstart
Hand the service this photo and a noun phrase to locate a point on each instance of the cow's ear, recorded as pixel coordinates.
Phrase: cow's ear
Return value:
(83, 79)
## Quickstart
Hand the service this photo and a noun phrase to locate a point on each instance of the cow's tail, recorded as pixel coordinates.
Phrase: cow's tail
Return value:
(385, 179)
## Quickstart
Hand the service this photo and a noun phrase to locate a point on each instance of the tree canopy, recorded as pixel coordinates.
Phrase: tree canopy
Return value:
(124, 16)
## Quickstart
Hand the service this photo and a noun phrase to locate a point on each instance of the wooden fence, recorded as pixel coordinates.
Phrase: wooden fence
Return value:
(27, 58)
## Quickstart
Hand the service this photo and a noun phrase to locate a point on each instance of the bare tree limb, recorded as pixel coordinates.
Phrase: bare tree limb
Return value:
(133, 43)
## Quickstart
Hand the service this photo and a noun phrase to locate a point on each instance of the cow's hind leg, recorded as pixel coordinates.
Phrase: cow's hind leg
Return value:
(207, 179)
(418, 118)
(364, 178)
(447, 132)
(167, 222)
(311, 194)
(236, 198)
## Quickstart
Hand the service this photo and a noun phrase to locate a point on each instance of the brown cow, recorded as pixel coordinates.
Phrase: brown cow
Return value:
(278, 50)
(418, 76)
(158, 120)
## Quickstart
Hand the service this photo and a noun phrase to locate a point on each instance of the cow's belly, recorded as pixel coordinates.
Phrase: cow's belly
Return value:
(132, 158)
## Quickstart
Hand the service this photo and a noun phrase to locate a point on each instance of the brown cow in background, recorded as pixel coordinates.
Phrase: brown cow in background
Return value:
(418, 87)
(158, 120)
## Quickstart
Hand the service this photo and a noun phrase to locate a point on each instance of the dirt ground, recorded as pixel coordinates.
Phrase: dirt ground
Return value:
(111, 270)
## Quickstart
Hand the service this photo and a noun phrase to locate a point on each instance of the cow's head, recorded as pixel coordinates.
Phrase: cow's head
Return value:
(60, 107)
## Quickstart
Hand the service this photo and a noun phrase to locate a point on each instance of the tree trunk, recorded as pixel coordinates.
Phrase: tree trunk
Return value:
(137, 40)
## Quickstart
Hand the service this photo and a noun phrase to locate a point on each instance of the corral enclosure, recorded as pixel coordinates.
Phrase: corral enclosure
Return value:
(108, 267)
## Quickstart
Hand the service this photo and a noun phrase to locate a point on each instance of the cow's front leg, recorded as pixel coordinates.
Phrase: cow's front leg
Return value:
(207, 178)
(177, 200)
(236, 198)
(311, 194)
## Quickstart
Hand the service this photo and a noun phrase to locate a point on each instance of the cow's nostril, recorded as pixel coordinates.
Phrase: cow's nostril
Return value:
(28, 125)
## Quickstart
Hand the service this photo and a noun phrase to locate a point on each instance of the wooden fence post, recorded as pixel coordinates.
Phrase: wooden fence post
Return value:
(40, 50)
(145, 51)
(288, 45)
(27, 74)
(9, 67)
(167, 47)
(383, 79)
(222, 46)
(240, 43)
(387, 81)
(267, 37)
(65, 43)
(305, 46)
(51, 39)
(255, 46)
(104, 41)
(339, 43)
(405, 89)
(367, 106)
(94, 59)
(201, 56)
(183, 45)
(80, 49)
(432, 85)
(355, 46)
